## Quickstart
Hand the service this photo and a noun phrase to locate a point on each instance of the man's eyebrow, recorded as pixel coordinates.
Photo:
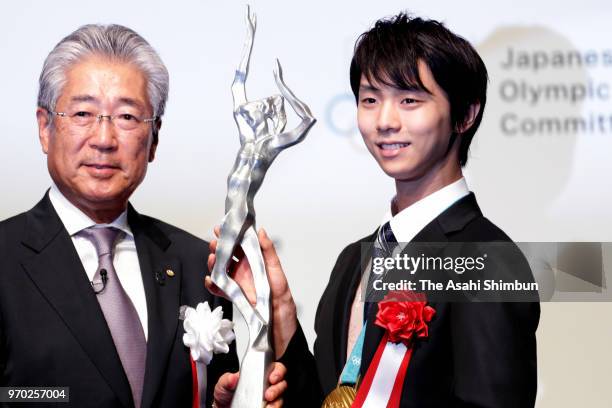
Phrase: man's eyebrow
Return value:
(368, 87)
(122, 100)
(82, 98)
(411, 89)
(131, 102)
(372, 88)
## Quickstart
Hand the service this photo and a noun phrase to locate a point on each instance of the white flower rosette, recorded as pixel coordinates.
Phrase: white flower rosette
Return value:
(206, 333)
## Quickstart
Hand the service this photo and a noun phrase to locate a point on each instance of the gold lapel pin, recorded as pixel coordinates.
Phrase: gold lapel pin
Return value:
(170, 272)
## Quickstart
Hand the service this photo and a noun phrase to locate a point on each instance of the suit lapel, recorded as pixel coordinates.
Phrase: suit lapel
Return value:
(455, 218)
(163, 298)
(57, 271)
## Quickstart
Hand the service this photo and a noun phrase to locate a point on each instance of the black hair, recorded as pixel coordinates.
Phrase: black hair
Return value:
(389, 54)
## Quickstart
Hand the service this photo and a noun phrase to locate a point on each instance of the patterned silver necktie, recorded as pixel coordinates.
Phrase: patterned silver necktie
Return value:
(119, 311)
(383, 247)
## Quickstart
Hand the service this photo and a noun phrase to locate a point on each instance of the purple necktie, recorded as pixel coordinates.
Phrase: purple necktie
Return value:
(119, 312)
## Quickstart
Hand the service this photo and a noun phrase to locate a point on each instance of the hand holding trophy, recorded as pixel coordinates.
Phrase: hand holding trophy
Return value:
(261, 125)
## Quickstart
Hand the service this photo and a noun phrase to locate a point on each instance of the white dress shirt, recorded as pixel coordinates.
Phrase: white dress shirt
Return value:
(125, 258)
(412, 219)
(405, 226)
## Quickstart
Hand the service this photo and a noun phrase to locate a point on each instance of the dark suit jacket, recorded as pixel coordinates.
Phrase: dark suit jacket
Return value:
(53, 332)
(476, 355)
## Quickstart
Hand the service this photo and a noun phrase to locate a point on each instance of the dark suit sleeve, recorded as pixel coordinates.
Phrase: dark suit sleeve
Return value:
(494, 349)
(303, 388)
(494, 343)
(221, 363)
(2, 349)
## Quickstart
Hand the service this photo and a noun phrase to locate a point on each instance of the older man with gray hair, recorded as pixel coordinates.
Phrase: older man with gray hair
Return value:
(90, 289)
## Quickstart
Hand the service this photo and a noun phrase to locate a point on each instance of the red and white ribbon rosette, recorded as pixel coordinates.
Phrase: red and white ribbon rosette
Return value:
(206, 333)
(404, 316)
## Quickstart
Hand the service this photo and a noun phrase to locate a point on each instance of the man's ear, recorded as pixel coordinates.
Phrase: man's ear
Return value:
(152, 150)
(155, 141)
(44, 128)
(469, 118)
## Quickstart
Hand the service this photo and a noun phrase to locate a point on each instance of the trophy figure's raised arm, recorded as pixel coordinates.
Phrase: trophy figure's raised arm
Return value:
(261, 125)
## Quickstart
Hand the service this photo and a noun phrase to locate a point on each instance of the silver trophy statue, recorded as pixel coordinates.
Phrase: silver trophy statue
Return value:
(260, 125)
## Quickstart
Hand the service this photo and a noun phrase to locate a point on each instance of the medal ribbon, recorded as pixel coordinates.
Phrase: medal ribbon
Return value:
(350, 373)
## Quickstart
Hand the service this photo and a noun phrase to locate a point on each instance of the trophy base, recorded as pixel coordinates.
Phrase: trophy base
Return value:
(250, 390)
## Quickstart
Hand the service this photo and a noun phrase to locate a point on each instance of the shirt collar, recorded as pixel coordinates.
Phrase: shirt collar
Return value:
(75, 220)
(408, 222)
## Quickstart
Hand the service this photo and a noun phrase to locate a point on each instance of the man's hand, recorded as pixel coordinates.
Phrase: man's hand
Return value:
(240, 271)
(224, 390)
(284, 317)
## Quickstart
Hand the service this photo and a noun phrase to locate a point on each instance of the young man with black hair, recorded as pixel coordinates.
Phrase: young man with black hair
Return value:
(421, 93)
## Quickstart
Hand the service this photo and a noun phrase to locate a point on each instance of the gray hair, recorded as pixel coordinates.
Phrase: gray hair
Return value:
(112, 41)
